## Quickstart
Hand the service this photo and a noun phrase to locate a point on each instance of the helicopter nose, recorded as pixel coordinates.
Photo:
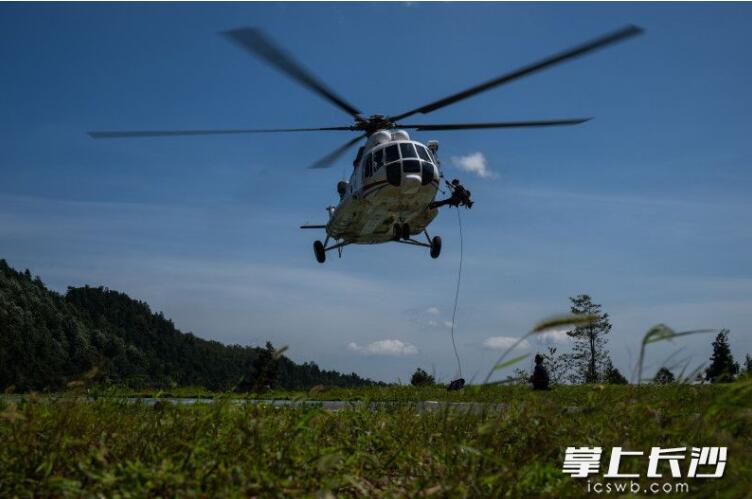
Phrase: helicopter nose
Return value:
(411, 183)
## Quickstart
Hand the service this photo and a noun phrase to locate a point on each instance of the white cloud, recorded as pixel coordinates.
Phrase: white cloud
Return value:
(393, 348)
(428, 318)
(503, 342)
(474, 163)
(554, 335)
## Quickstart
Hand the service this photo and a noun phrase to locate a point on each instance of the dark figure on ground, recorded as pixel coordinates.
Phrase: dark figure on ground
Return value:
(460, 196)
(539, 379)
(457, 384)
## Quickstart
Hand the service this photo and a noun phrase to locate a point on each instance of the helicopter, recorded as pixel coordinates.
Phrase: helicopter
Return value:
(391, 194)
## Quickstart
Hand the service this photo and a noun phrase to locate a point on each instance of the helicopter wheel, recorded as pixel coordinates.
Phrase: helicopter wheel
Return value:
(319, 251)
(435, 247)
(405, 231)
(397, 232)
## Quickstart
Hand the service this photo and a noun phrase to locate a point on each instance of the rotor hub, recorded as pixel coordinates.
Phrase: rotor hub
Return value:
(373, 123)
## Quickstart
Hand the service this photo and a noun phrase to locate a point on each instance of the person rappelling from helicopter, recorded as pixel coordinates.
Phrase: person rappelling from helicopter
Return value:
(459, 197)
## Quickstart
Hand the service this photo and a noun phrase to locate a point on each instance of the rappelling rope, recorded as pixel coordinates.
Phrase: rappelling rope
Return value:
(457, 296)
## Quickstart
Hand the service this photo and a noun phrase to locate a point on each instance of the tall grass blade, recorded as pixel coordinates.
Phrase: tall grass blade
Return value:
(510, 362)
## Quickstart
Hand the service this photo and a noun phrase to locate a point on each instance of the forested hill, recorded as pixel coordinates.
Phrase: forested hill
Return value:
(48, 339)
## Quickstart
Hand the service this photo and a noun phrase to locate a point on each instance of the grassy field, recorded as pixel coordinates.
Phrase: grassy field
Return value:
(73, 446)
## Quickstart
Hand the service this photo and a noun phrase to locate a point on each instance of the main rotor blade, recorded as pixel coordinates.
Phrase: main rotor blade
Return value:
(176, 133)
(333, 156)
(500, 124)
(572, 53)
(254, 41)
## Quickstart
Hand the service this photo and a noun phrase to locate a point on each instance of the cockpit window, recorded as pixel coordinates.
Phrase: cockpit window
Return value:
(408, 151)
(423, 153)
(411, 166)
(428, 173)
(392, 153)
(367, 166)
(359, 156)
(378, 159)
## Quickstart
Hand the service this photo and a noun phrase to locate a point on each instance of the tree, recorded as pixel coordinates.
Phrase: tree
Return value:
(264, 369)
(722, 367)
(664, 376)
(555, 364)
(589, 358)
(612, 375)
(519, 377)
(421, 378)
(748, 364)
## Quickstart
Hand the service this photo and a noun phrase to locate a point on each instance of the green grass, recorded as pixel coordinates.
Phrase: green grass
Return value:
(71, 446)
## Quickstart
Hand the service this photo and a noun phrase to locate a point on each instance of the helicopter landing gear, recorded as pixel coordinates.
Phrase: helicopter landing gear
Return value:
(319, 251)
(397, 232)
(435, 247)
(433, 244)
(406, 231)
(401, 231)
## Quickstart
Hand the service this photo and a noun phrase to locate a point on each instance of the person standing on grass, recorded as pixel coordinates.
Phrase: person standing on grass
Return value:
(539, 379)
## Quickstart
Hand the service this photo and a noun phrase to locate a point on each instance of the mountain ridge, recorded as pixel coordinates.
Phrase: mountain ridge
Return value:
(48, 339)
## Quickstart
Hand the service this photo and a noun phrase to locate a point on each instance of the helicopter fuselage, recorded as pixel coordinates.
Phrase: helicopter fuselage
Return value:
(394, 182)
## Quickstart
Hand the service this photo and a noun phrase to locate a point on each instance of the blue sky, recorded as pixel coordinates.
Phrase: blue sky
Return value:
(646, 208)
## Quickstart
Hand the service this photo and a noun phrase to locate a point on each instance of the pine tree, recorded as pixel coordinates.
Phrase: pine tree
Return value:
(555, 364)
(722, 367)
(589, 358)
